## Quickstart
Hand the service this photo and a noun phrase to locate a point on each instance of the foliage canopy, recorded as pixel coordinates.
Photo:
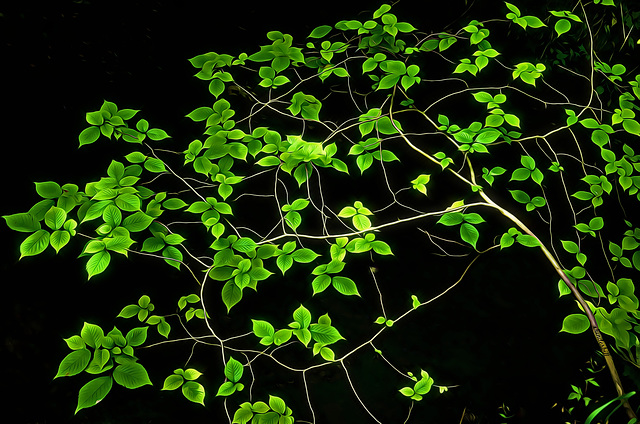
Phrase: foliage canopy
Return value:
(313, 154)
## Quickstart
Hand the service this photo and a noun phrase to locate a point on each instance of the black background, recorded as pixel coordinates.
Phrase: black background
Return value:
(62, 59)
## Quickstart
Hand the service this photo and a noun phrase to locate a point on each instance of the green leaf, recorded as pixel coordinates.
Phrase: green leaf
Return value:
(172, 256)
(131, 375)
(231, 294)
(35, 244)
(172, 382)
(129, 311)
(112, 216)
(636, 260)
(94, 118)
(233, 370)
(259, 274)
(596, 223)
(472, 218)
(242, 416)
(423, 386)
(325, 333)
(174, 204)
(154, 165)
(631, 126)
(302, 316)
(75, 343)
(320, 31)
(244, 244)
(277, 404)
(469, 233)
(164, 328)
(74, 363)
(520, 174)
(23, 222)
(304, 255)
(55, 218)
(137, 336)
(488, 136)
(157, 134)
(262, 328)
(194, 392)
(88, 136)
(200, 114)
(381, 11)
(92, 335)
(562, 26)
(282, 336)
(361, 222)
(191, 374)
(347, 212)
(570, 246)
(284, 262)
(100, 362)
(575, 324)
(93, 392)
(49, 189)
(268, 161)
(345, 285)
(506, 241)
(136, 157)
(407, 391)
(320, 283)
(137, 221)
(527, 240)
(152, 244)
(327, 354)
(174, 239)
(216, 87)
(415, 303)
(304, 335)
(98, 263)
(520, 196)
(226, 389)
(451, 218)
(533, 21)
(128, 202)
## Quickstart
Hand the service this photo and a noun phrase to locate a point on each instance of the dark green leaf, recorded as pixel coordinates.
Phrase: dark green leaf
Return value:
(575, 324)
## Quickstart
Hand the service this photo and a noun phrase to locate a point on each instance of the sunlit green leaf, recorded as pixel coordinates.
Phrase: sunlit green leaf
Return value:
(320, 31)
(172, 382)
(98, 263)
(231, 294)
(324, 333)
(194, 392)
(35, 244)
(93, 392)
(89, 135)
(469, 233)
(233, 370)
(345, 285)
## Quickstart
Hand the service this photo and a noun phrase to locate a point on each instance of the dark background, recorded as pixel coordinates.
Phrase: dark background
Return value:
(496, 335)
